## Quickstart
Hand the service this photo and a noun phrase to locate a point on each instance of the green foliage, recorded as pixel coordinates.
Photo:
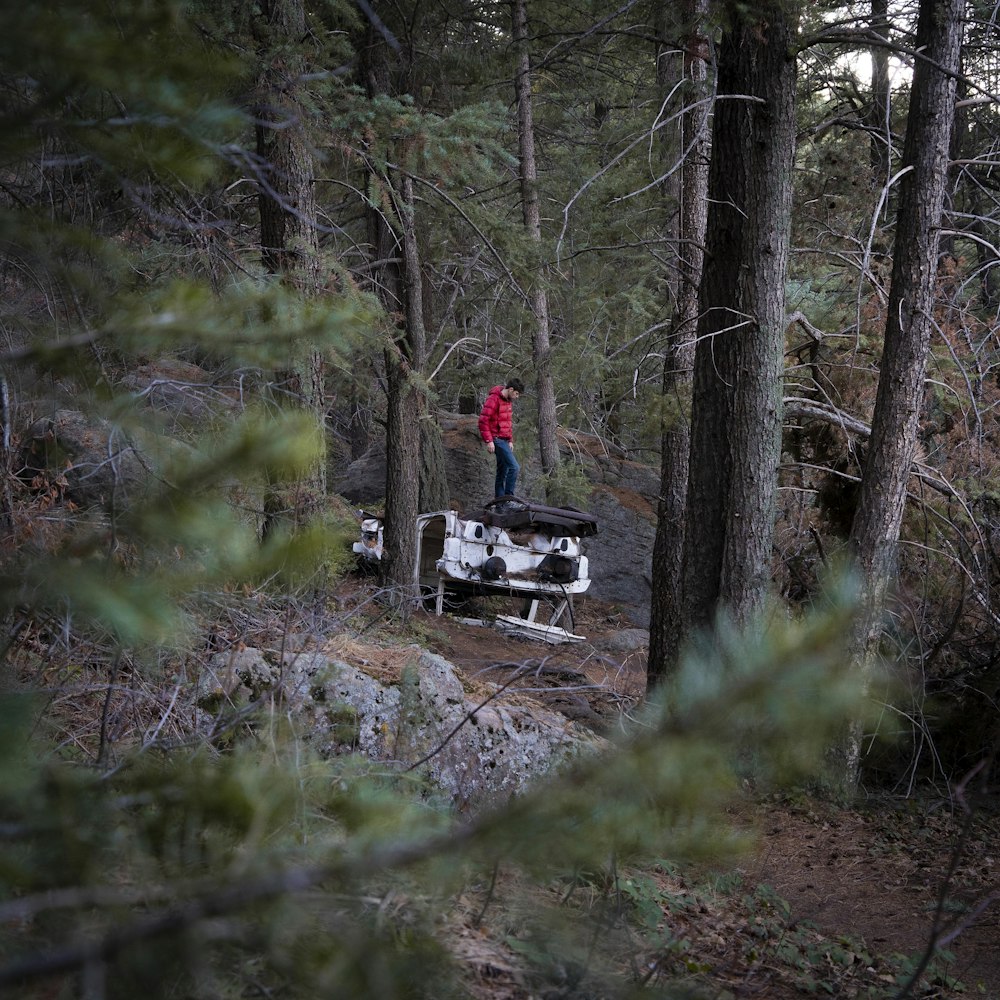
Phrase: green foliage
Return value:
(464, 146)
(126, 94)
(333, 875)
(262, 869)
(567, 486)
(181, 537)
(126, 84)
(255, 324)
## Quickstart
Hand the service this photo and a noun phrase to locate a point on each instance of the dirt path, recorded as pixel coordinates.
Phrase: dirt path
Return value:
(874, 874)
(881, 875)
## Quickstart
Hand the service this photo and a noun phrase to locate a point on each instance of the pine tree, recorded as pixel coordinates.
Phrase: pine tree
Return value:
(737, 401)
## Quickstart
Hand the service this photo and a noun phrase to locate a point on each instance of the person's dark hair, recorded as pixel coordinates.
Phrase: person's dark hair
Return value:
(516, 384)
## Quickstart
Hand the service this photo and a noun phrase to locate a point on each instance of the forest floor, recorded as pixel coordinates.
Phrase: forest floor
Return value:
(830, 900)
(880, 880)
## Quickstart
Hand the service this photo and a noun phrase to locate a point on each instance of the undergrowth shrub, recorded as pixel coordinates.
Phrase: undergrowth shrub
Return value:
(265, 867)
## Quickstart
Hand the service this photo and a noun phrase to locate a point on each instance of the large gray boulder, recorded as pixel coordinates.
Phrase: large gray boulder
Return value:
(182, 391)
(93, 460)
(423, 720)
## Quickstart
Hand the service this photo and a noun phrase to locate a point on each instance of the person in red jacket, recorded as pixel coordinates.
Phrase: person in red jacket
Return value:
(496, 427)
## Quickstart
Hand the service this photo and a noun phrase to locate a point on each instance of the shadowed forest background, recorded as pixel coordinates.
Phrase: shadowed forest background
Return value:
(751, 248)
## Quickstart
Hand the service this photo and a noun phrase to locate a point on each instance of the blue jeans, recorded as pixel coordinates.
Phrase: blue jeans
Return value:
(507, 468)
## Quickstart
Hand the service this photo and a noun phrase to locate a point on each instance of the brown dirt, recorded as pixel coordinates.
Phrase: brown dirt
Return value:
(588, 681)
(881, 874)
(631, 500)
(872, 874)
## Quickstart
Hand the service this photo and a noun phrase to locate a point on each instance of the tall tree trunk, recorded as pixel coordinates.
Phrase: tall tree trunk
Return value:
(878, 119)
(737, 390)
(6, 459)
(875, 532)
(432, 479)
(975, 201)
(434, 493)
(548, 441)
(392, 238)
(359, 426)
(402, 482)
(287, 201)
(692, 142)
(405, 359)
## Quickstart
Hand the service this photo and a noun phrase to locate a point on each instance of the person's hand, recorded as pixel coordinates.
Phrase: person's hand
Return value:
(491, 447)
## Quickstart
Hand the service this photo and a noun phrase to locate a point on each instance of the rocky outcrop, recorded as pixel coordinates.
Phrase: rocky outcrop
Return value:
(92, 460)
(422, 720)
(181, 390)
(622, 496)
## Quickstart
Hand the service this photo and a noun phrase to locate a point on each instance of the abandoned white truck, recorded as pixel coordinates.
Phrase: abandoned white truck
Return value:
(512, 547)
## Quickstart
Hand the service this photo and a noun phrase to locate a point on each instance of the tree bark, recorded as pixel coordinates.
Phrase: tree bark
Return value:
(736, 409)
(402, 440)
(6, 457)
(878, 120)
(434, 493)
(398, 284)
(286, 199)
(548, 442)
(433, 479)
(692, 142)
(875, 532)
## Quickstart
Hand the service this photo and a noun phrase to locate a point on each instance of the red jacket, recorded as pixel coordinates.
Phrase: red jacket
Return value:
(496, 420)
